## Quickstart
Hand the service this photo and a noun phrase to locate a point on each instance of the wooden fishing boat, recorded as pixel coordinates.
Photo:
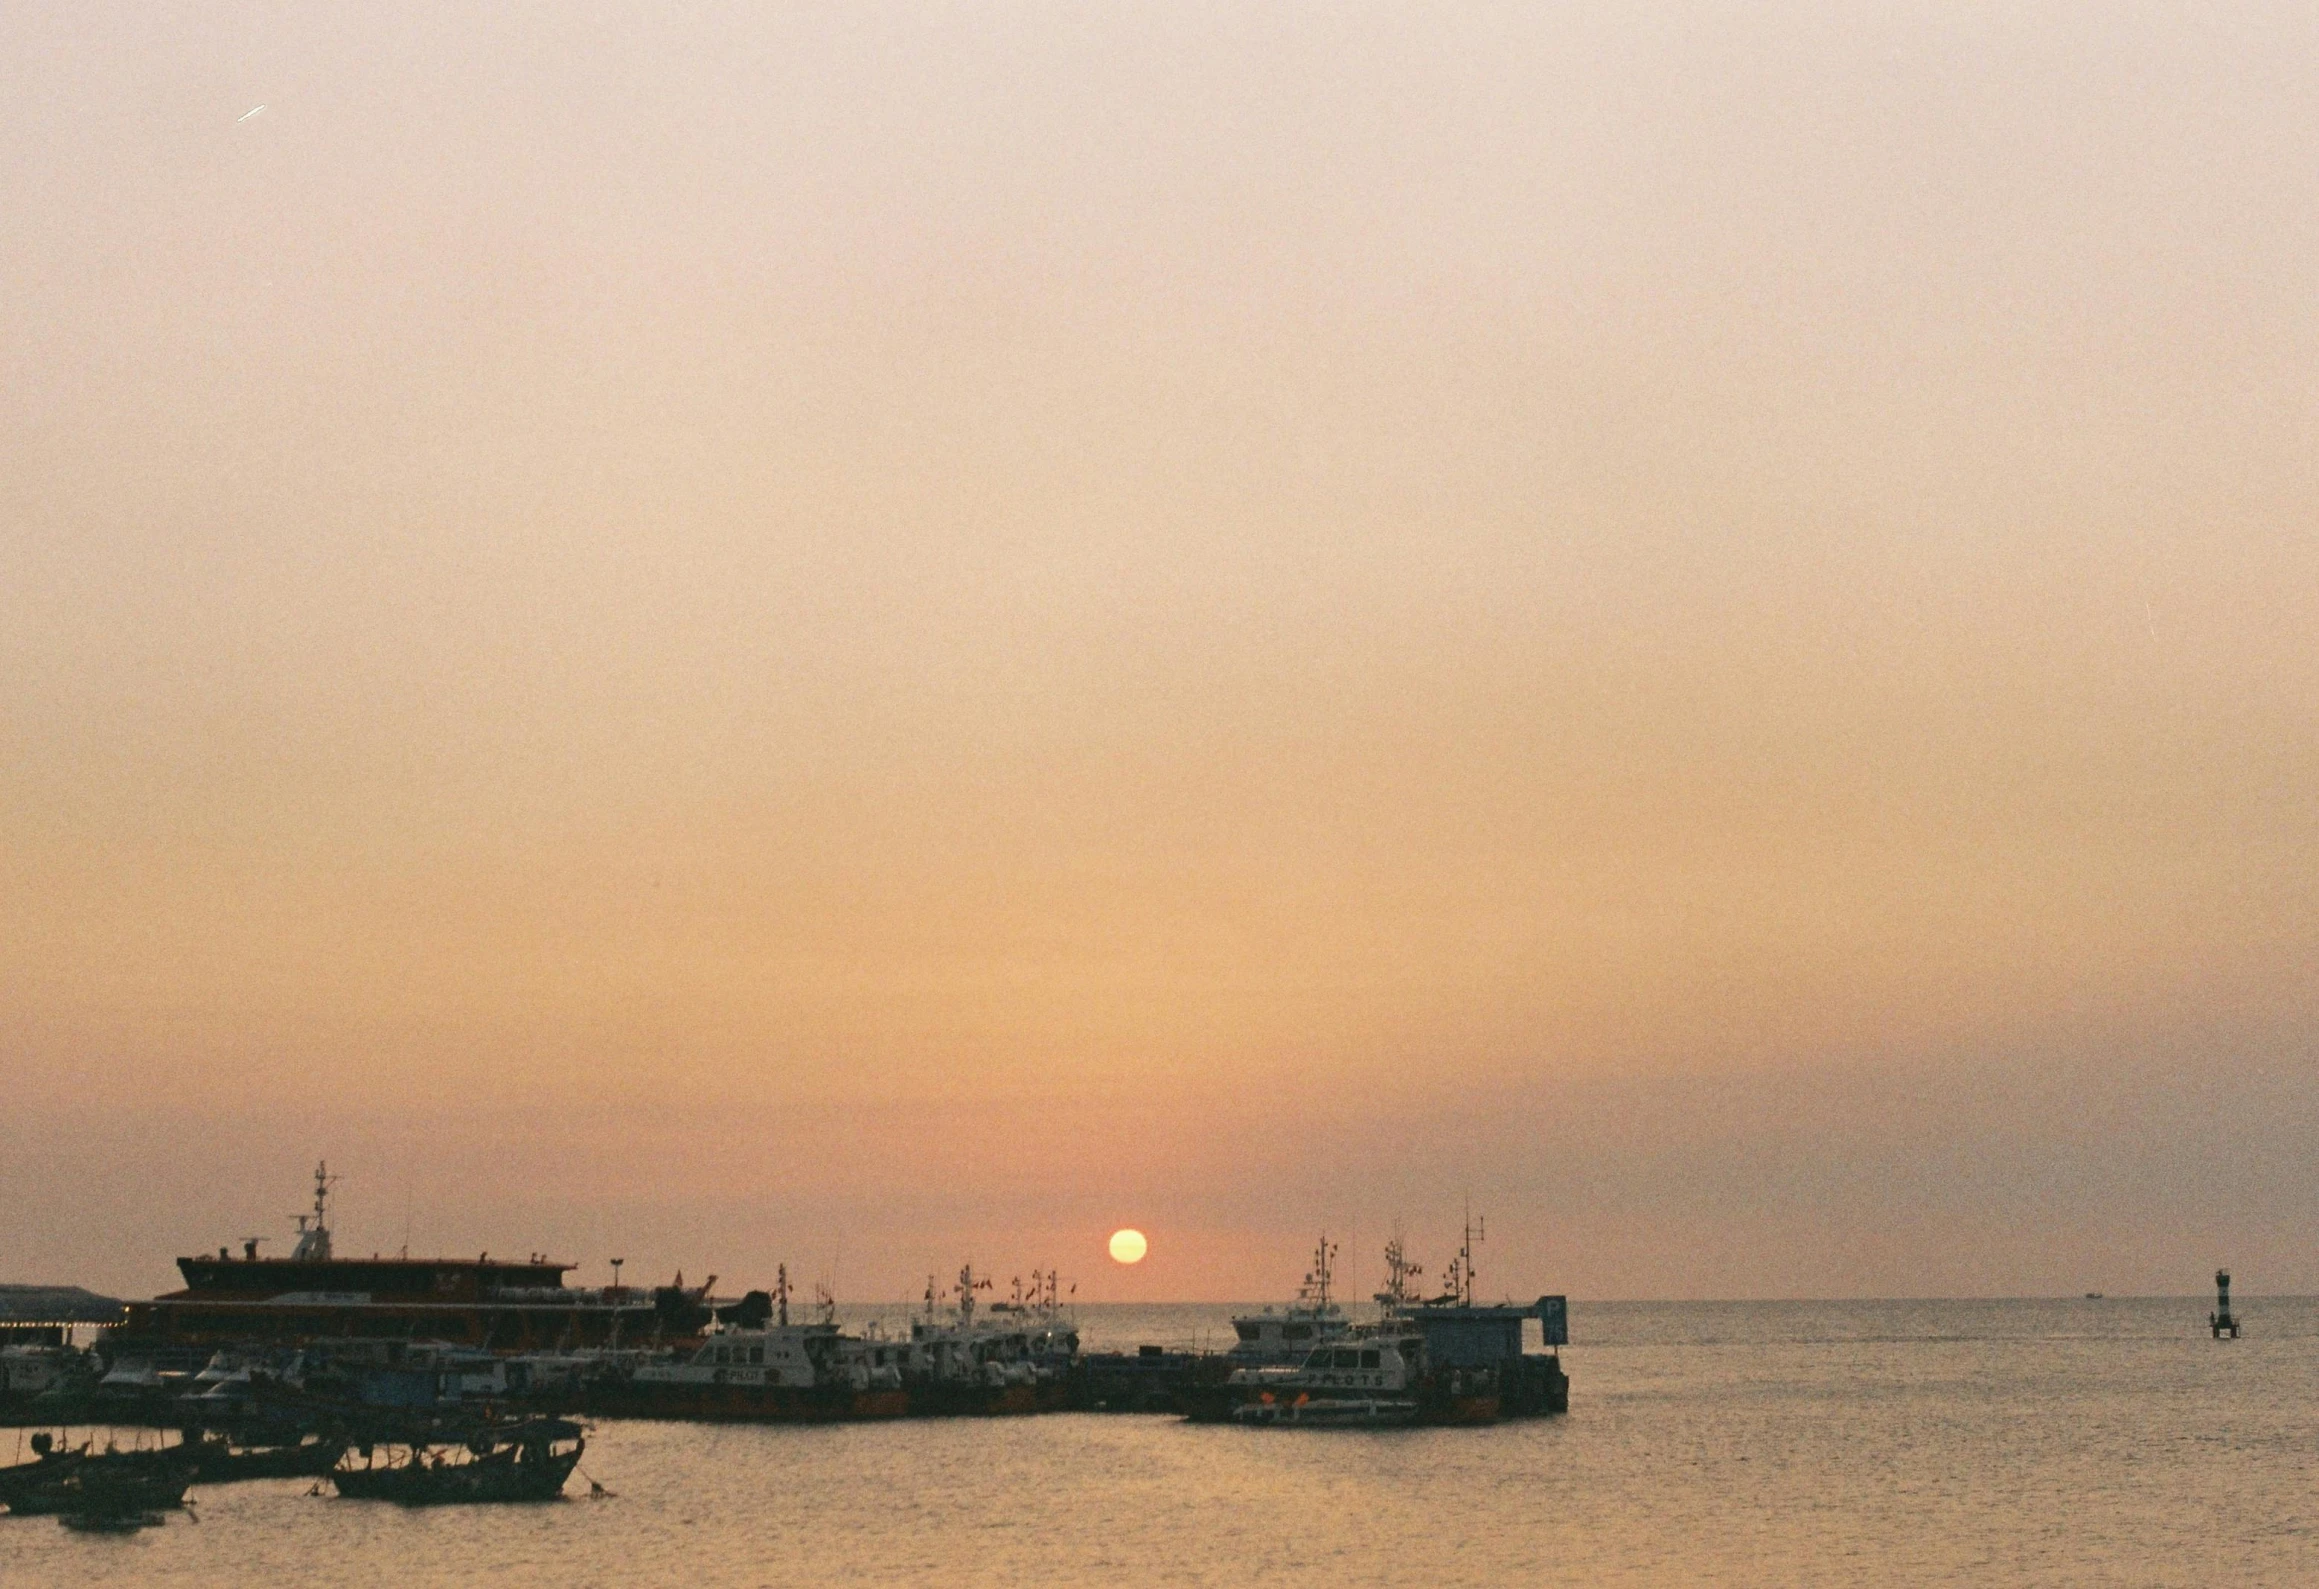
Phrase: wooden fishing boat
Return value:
(76, 1479)
(218, 1460)
(525, 1461)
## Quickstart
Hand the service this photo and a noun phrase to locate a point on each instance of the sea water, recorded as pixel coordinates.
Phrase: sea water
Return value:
(1805, 1443)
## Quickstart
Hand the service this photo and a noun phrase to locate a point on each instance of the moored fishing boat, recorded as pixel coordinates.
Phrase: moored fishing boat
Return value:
(218, 1459)
(1017, 1358)
(50, 1463)
(524, 1461)
(1447, 1359)
(31, 1371)
(776, 1372)
(80, 1480)
(1281, 1336)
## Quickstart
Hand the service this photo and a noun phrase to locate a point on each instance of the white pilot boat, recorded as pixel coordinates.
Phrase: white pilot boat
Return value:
(1373, 1383)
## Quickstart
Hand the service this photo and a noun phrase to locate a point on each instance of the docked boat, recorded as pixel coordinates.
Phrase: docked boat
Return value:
(497, 1305)
(1018, 1357)
(79, 1480)
(524, 1461)
(99, 1492)
(218, 1459)
(49, 1465)
(1379, 1383)
(33, 1369)
(1445, 1359)
(777, 1372)
(1276, 1337)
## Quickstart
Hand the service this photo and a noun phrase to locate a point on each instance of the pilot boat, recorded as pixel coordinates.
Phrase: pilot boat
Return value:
(1375, 1383)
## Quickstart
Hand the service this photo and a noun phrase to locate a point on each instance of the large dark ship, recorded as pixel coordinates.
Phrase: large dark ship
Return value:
(313, 1296)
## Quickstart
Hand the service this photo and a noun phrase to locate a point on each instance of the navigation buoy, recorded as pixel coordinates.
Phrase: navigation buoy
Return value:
(2220, 1320)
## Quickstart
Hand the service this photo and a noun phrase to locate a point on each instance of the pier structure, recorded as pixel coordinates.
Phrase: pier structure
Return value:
(2222, 1321)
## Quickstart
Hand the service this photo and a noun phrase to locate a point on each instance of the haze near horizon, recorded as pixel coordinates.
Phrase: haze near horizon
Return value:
(869, 636)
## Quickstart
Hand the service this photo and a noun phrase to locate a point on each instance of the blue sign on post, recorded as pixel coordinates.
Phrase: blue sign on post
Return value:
(1554, 1320)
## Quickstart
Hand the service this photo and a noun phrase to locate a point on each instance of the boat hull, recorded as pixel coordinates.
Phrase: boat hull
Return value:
(535, 1476)
(940, 1399)
(748, 1403)
(1366, 1412)
(224, 1464)
(93, 1489)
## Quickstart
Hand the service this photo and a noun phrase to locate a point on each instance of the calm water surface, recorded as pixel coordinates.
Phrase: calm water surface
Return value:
(1708, 1443)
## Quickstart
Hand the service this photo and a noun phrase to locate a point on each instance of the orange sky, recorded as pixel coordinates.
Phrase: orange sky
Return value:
(871, 636)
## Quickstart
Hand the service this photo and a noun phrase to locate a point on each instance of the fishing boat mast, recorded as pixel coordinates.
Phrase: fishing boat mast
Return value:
(1461, 1268)
(314, 1228)
(1314, 1293)
(1399, 1272)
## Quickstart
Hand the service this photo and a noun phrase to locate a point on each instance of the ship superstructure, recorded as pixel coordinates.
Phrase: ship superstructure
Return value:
(1288, 1335)
(1019, 1356)
(493, 1304)
(1445, 1359)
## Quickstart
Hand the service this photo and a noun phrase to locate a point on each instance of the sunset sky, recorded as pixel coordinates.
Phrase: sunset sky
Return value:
(870, 635)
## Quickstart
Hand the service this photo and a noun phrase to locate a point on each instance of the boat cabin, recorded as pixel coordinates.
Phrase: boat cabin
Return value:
(1368, 1364)
(795, 1355)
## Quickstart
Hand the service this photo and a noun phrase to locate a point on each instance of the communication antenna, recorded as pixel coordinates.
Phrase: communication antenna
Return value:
(1314, 1293)
(1399, 1271)
(314, 1228)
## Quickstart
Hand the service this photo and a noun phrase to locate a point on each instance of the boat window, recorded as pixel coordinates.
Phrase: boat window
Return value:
(1296, 1332)
(1318, 1359)
(1370, 1360)
(757, 1354)
(1248, 1332)
(1348, 1360)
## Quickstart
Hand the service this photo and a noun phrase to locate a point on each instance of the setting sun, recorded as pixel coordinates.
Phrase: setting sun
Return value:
(1128, 1246)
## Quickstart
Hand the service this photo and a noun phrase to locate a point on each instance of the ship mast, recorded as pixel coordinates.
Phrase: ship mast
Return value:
(314, 1228)
(1461, 1268)
(1399, 1271)
(1314, 1293)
